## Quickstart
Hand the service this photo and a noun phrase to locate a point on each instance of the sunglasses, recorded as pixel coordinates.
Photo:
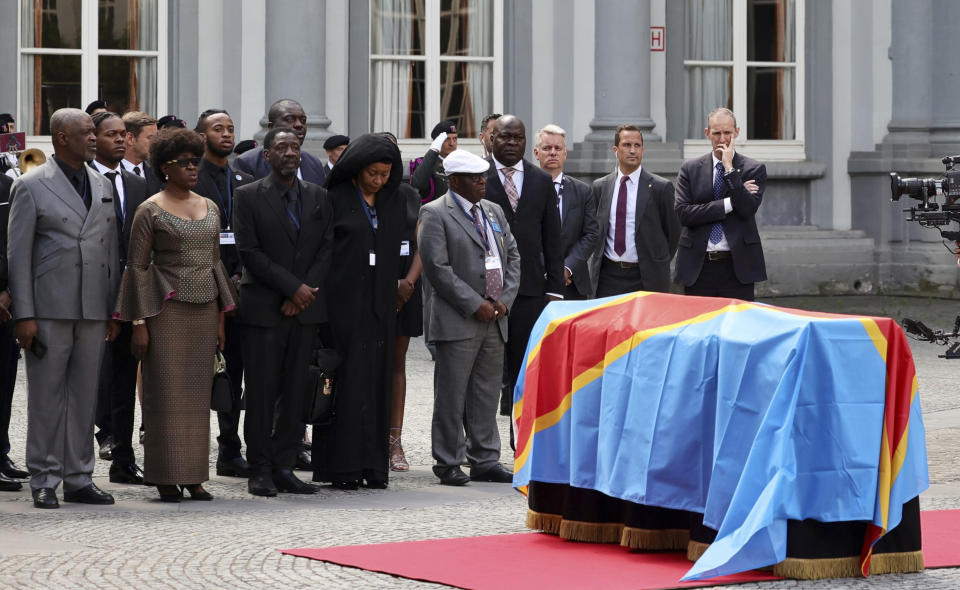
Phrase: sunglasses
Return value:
(184, 162)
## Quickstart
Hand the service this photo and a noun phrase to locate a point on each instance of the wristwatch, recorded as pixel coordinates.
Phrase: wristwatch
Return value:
(139, 322)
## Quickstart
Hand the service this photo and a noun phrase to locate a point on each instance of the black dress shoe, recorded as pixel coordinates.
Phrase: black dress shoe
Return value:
(235, 467)
(45, 498)
(452, 476)
(106, 449)
(8, 484)
(288, 483)
(496, 474)
(197, 492)
(261, 485)
(89, 494)
(10, 469)
(304, 460)
(129, 473)
(169, 493)
(349, 485)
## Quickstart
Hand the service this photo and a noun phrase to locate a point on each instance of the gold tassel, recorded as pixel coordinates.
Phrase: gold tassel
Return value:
(590, 532)
(695, 549)
(548, 523)
(654, 539)
(849, 567)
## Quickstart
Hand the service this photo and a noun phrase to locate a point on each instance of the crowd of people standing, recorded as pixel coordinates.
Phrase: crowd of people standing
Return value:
(142, 248)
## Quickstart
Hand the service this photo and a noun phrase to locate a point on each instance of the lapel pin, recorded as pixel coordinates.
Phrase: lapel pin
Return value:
(238, 177)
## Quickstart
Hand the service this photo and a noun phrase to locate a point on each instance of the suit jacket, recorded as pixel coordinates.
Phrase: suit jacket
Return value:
(276, 258)
(208, 188)
(63, 259)
(253, 163)
(536, 227)
(580, 231)
(453, 261)
(5, 183)
(698, 212)
(134, 193)
(656, 228)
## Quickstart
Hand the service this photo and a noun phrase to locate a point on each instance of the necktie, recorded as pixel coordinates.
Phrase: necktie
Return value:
(620, 229)
(117, 205)
(136, 170)
(512, 195)
(290, 202)
(559, 187)
(493, 279)
(716, 230)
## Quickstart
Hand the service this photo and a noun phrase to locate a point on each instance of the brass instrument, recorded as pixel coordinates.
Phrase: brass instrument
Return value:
(21, 162)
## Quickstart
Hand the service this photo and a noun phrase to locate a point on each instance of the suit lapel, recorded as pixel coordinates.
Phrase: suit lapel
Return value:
(97, 205)
(456, 211)
(498, 235)
(707, 171)
(306, 215)
(644, 187)
(272, 194)
(58, 184)
(603, 207)
(496, 193)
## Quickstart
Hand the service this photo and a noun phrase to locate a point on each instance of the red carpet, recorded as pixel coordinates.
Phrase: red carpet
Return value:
(534, 560)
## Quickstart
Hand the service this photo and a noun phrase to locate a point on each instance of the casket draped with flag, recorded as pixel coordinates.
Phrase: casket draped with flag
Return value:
(748, 414)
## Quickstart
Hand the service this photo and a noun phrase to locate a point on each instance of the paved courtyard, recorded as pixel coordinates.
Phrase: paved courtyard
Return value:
(232, 542)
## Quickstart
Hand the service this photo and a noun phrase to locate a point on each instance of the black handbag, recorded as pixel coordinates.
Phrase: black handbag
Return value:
(319, 403)
(221, 396)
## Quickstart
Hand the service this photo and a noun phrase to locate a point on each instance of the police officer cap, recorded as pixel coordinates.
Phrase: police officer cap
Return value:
(335, 141)
(448, 127)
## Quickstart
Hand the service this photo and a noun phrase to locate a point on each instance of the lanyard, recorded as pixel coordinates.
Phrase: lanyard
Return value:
(371, 217)
(227, 208)
(293, 217)
(484, 223)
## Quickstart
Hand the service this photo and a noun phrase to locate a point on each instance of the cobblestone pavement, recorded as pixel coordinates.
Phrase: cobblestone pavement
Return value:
(232, 542)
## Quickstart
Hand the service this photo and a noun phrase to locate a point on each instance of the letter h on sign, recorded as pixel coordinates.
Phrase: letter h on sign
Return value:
(657, 38)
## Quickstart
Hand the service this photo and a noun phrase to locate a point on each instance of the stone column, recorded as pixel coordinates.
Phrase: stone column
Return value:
(295, 50)
(622, 75)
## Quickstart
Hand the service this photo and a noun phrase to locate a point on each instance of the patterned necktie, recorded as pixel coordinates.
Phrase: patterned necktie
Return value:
(512, 195)
(136, 170)
(117, 204)
(620, 229)
(493, 279)
(716, 230)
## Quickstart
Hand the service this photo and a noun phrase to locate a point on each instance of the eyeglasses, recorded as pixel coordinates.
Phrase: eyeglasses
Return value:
(184, 162)
(474, 178)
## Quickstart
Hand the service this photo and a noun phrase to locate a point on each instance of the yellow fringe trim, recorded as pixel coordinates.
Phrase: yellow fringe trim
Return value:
(539, 521)
(654, 539)
(849, 567)
(591, 532)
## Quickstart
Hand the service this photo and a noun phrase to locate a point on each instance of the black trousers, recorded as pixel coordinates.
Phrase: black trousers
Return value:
(616, 280)
(523, 315)
(276, 371)
(117, 395)
(570, 293)
(9, 356)
(228, 442)
(718, 279)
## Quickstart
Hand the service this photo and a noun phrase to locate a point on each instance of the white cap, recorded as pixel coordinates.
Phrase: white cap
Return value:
(464, 162)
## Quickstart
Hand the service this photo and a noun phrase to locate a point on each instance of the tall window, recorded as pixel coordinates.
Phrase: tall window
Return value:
(75, 51)
(432, 60)
(746, 55)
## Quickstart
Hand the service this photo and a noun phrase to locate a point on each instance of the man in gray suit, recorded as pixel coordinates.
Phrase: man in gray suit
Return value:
(639, 228)
(471, 260)
(64, 274)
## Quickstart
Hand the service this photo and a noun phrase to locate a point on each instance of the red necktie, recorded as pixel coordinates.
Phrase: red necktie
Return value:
(620, 229)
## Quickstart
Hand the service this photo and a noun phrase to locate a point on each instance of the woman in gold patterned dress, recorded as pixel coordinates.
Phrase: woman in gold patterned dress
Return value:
(175, 290)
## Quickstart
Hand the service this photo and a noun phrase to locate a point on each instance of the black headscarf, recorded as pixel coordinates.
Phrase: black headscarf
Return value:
(363, 151)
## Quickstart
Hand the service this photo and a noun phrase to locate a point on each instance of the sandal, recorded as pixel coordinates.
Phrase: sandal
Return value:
(398, 461)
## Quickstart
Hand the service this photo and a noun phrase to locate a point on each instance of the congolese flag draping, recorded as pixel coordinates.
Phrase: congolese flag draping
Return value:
(747, 413)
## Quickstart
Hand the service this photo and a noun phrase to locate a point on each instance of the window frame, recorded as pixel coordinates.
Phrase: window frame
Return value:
(432, 60)
(765, 149)
(90, 53)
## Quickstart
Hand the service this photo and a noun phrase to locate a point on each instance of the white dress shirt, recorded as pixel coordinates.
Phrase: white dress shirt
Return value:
(118, 181)
(129, 166)
(630, 254)
(517, 176)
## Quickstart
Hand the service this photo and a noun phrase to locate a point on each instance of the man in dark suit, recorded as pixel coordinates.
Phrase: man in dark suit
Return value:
(284, 234)
(117, 396)
(217, 181)
(334, 146)
(526, 195)
(428, 177)
(638, 225)
(471, 259)
(578, 221)
(141, 128)
(717, 199)
(284, 113)
(64, 277)
(9, 353)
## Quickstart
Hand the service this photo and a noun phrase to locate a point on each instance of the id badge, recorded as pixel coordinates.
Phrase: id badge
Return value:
(227, 237)
(491, 262)
(405, 248)
(373, 258)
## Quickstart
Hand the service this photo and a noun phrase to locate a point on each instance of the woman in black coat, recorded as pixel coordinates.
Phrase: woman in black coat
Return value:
(361, 288)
